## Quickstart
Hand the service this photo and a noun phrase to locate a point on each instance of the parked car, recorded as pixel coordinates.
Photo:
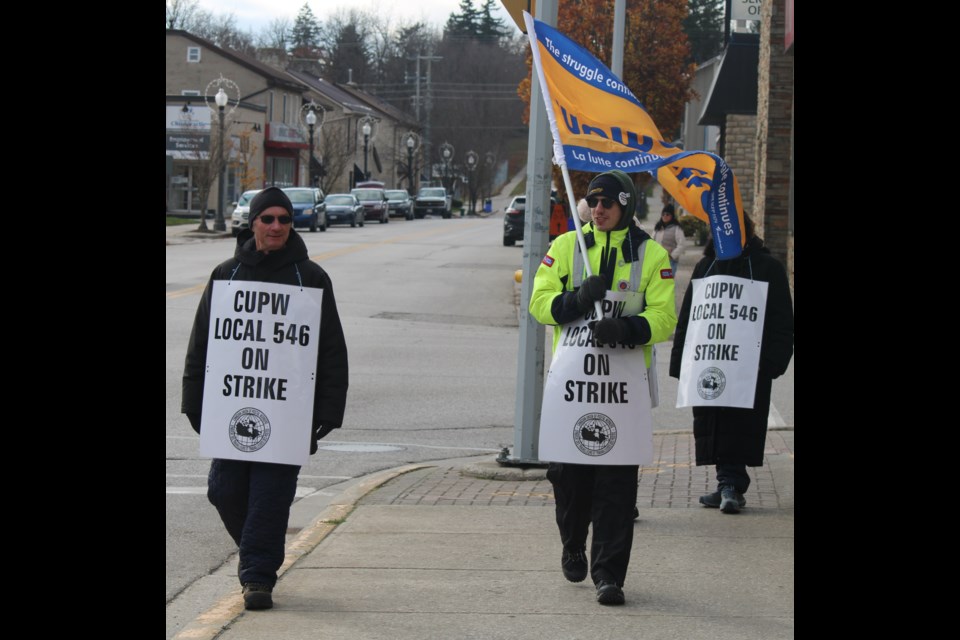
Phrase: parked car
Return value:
(513, 220)
(432, 200)
(239, 220)
(374, 203)
(399, 203)
(344, 208)
(309, 208)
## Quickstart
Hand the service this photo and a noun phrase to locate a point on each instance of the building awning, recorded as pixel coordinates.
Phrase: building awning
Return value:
(734, 89)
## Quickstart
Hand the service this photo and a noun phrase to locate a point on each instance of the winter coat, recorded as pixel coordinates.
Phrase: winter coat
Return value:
(671, 237)
(553, 300)
(279, 267)
(731, 435)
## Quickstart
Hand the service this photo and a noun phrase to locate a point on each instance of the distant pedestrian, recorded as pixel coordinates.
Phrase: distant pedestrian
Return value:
(730, 437)
(669, 234)
(254, 498)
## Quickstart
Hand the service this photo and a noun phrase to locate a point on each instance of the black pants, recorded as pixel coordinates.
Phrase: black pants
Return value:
(605, 496)
(253, 500)
(734, 475)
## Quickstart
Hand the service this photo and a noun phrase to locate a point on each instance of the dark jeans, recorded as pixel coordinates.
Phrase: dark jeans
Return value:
(734, 475)
(605, 496)
(253, 500)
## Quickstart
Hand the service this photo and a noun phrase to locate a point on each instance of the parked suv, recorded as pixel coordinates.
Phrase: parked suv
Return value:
(513, 220)
(374, 203)
(240, 218)
(432, 200)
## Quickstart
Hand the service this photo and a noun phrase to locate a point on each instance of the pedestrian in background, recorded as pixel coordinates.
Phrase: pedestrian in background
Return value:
(733, 438)
(669, 234)
(254, 498)
(603, 496)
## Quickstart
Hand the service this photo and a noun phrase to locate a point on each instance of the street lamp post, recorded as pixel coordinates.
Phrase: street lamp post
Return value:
(410, 174)
(311, 121)
(220, 100)
(412, 142)
(446, 152)
(219, 224)
(471, 159)
(366, 141)
(308, 117)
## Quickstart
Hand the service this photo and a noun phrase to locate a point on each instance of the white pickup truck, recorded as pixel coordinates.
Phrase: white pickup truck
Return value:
(433, 200)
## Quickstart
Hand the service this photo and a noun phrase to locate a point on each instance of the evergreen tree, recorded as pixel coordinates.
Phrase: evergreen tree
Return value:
(704, 28)
(305, 35)
(464, 24)
(487, 25)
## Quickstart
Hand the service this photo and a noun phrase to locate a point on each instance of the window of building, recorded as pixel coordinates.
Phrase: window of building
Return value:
(193, 54)
(280, 172)
(189, 92)
(283, 116)
(270, 106)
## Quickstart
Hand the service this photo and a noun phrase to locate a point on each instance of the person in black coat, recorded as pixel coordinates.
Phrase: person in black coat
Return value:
(254, 498)
(733, 438)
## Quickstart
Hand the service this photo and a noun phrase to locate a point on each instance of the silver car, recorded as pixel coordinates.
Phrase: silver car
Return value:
(241, 212)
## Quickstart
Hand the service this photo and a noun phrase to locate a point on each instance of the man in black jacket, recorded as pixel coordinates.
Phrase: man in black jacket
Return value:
(254, 498)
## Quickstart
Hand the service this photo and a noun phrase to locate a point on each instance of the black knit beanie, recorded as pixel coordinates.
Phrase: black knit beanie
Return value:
(269, 197)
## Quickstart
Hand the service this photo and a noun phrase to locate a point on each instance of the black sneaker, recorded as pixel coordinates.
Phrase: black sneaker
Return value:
(713, 500)
(731, 500)
(574, 565)
(257, 596)
(609, 593)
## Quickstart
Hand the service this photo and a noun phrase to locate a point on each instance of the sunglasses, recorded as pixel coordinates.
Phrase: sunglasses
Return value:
(606, 202)
(281, 219)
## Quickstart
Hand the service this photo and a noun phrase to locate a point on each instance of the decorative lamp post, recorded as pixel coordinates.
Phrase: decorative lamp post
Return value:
(471, 159)
(446, 152)
(412, 143)
(219, 224)
(311, 121)
(308, 116)
(366, 142)
(221, 99)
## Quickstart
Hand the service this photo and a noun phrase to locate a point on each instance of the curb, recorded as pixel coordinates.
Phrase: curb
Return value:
(211, 622)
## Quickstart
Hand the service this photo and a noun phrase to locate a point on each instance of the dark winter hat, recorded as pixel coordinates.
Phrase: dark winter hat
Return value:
(617, 186)
(669, 209)
(269, 197)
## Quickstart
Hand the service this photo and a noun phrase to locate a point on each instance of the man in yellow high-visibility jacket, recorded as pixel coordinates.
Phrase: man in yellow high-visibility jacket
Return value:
(625, 258)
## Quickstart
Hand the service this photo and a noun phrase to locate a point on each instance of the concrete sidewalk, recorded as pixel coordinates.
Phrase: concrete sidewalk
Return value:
(439, 551)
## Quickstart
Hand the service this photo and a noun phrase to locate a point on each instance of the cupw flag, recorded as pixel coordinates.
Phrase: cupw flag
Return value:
(598, 125)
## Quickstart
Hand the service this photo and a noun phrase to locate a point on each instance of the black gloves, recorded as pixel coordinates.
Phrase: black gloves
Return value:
(610, 330)
(322, 430)
(591, 290)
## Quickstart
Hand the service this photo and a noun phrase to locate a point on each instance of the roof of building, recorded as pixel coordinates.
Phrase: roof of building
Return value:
(273, 76)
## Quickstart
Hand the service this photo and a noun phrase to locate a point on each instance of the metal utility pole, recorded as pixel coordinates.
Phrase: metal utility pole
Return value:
(429, 107)
(526, 430)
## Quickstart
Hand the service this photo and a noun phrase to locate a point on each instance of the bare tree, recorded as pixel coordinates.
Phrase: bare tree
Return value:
(249, 175)
(181, 12)
(222, 31)
(276, 35)
(335, 154)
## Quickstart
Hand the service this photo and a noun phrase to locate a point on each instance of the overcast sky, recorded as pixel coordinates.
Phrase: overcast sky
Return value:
(254, 15)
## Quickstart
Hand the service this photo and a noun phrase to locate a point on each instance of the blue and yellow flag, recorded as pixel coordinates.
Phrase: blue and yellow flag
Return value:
(599, 125)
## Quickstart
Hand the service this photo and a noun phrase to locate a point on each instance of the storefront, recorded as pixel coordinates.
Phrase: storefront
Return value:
(282, 148)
